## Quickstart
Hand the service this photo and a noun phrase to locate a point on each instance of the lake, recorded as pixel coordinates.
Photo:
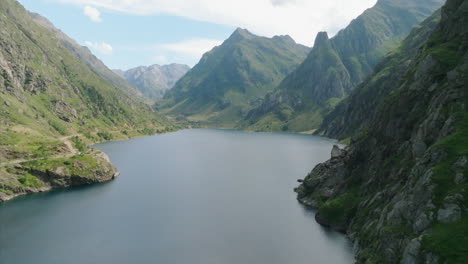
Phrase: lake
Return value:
(197, 196)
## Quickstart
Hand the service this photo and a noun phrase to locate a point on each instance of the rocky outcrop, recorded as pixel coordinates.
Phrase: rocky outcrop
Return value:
(44, 175)
(398, 190)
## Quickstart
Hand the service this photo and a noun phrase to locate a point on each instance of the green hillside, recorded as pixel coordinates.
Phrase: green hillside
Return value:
(53, 104)
(336, 66)
(233, 78)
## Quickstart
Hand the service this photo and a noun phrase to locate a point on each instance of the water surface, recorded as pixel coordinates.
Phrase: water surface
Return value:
(194, 196)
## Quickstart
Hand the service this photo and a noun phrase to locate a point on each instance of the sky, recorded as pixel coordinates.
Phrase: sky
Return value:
(130, 33)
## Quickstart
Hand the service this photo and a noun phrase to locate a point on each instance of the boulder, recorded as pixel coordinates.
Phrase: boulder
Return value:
(460, 178)
(449, 214)
(336, 152)
(461, 163)
(411, 252)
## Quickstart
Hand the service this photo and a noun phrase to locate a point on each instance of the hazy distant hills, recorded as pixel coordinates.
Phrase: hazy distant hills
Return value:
(155, 80)
(336, 66)
(233, 78)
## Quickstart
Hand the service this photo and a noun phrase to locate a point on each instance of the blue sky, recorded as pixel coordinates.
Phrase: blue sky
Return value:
(135, 40)
(130, 33)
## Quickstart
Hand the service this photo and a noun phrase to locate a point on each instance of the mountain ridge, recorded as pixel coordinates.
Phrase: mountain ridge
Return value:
(329, 74)
(231, 78)
(399, 189)
(155, 80)
(54, 104)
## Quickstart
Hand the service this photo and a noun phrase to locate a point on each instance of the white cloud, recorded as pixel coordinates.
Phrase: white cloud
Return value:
(282, 2)
(100, 47)
(301, 19)
(193, 48)
(92, 13)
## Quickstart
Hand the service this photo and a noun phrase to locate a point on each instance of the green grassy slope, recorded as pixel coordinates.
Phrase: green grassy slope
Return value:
(232, 78)
(47, 94)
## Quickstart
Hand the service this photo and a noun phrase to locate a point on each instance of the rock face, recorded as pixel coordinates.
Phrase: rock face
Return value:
(336, 66)
(155, 80)
(233, 78)
(398, 190)
(44, 175)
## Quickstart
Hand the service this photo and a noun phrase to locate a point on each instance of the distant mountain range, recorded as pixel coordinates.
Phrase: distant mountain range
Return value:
(336, 66)
(232, 79)
(155, 80)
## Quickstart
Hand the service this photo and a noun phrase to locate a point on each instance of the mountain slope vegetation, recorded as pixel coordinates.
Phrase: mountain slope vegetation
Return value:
(232, 78)
(336, 66)
(399, 190)
(53, 104)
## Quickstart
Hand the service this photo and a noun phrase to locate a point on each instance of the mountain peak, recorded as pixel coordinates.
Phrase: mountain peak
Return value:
(285, 38)
(240, 34)
(321, 39)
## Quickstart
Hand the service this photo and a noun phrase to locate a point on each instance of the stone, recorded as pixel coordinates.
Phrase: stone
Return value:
(449, 214)
(419, 148)
(421, 223)
(460, 178)
(462, 163)
(411, 252)
(7, 103)
(336, 152)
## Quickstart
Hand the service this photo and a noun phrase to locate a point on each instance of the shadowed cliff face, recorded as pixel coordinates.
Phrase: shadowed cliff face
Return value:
(399, 190)
(336, 66)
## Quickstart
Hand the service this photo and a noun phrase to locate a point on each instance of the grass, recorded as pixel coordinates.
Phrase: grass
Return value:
(7, 192)
(84, 165)
(449, 241)
(339, 210)
(79, 144)
(28, 180)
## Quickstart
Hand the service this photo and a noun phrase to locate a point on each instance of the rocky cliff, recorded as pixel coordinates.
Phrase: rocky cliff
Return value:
(46, 174)
(399, 190)
(335, 66)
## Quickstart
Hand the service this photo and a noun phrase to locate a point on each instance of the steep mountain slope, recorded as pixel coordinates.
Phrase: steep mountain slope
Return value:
(232, 78)
(85, 56)
(52, 104)
(400, 189)
(155, 80)
(336, 66)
